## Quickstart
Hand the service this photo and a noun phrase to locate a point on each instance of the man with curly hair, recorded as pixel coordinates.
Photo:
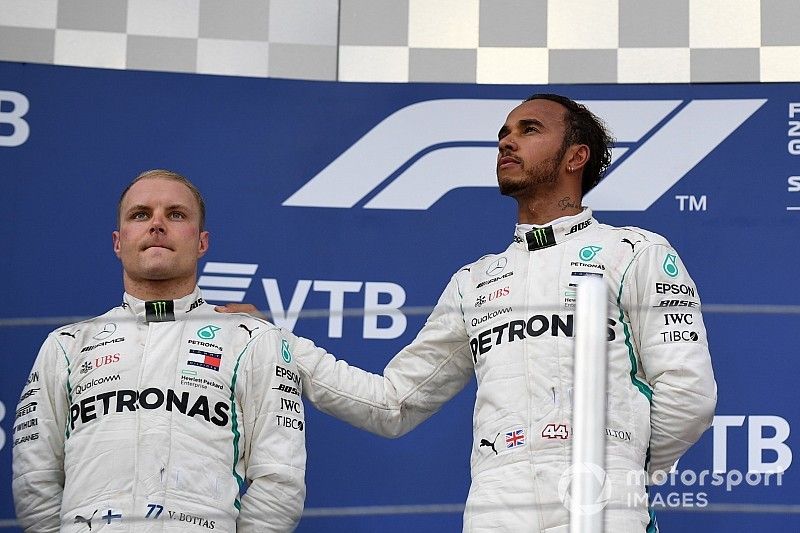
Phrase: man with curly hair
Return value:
(507, 318)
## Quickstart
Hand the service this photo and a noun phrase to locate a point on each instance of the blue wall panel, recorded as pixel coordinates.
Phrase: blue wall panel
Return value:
(251, 144)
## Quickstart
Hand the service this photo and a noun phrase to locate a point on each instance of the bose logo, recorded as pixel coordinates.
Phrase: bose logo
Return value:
(418, 157)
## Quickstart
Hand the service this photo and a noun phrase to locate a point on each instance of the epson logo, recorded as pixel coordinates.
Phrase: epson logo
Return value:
(426, 157)
(674, 288)
(535, 326)
(285, 373)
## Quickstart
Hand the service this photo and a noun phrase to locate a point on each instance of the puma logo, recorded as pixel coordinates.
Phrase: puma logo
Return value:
(485, 442)
(67, 333)
(249, 331)
(88, 521)
(633, 244)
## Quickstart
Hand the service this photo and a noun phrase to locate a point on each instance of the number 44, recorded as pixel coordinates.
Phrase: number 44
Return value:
(555, 431)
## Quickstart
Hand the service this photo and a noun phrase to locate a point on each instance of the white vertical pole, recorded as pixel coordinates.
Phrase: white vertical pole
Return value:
(589, 407)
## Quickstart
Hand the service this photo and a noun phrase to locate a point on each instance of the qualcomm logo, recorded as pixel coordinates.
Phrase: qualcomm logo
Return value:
(378, 303)
(417, 156)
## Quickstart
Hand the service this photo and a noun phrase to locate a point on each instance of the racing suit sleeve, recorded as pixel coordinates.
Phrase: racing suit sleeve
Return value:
(414, 385)
(274, 437)
(38, 442)
(673, 352)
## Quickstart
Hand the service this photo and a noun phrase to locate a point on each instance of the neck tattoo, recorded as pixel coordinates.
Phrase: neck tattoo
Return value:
(566, 203)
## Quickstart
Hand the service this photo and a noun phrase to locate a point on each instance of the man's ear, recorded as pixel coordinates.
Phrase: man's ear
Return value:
(202, 245)
(577, 156)
(115, 242)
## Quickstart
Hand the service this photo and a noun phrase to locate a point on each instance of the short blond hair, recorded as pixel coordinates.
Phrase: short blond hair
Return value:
(168, 175)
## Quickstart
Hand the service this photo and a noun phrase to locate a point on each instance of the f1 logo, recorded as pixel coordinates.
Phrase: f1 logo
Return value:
(417, 156)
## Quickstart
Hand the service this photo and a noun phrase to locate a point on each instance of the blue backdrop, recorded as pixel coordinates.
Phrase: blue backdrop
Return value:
(324, 196)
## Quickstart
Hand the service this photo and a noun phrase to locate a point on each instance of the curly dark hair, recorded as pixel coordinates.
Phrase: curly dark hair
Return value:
(584, 127)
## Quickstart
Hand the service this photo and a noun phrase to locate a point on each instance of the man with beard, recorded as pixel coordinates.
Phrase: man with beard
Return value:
(507, 318)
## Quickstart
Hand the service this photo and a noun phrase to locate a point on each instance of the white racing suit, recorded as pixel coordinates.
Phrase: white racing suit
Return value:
(154, 417)
(508, 318)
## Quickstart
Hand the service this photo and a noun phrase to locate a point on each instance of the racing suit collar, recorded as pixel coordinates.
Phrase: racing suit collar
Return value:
(162, 310)
(535, 237)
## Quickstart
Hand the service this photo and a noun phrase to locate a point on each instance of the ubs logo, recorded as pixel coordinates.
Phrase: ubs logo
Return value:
(494, 295)
(106, 360)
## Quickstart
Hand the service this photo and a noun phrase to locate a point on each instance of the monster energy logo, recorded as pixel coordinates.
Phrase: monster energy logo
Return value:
(540, 238)
(159, 310)
(670, 265)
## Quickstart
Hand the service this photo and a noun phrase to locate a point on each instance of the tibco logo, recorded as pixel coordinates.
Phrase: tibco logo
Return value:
(378, 302)
(420, 138)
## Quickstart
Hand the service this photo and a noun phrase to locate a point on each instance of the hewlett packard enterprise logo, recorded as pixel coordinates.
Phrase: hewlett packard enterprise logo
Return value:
(426, 157)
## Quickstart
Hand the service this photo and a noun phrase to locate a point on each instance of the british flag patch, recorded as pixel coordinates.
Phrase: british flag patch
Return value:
(515, 438)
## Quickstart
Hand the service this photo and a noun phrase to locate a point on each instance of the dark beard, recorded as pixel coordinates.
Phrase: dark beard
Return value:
(545, 173)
